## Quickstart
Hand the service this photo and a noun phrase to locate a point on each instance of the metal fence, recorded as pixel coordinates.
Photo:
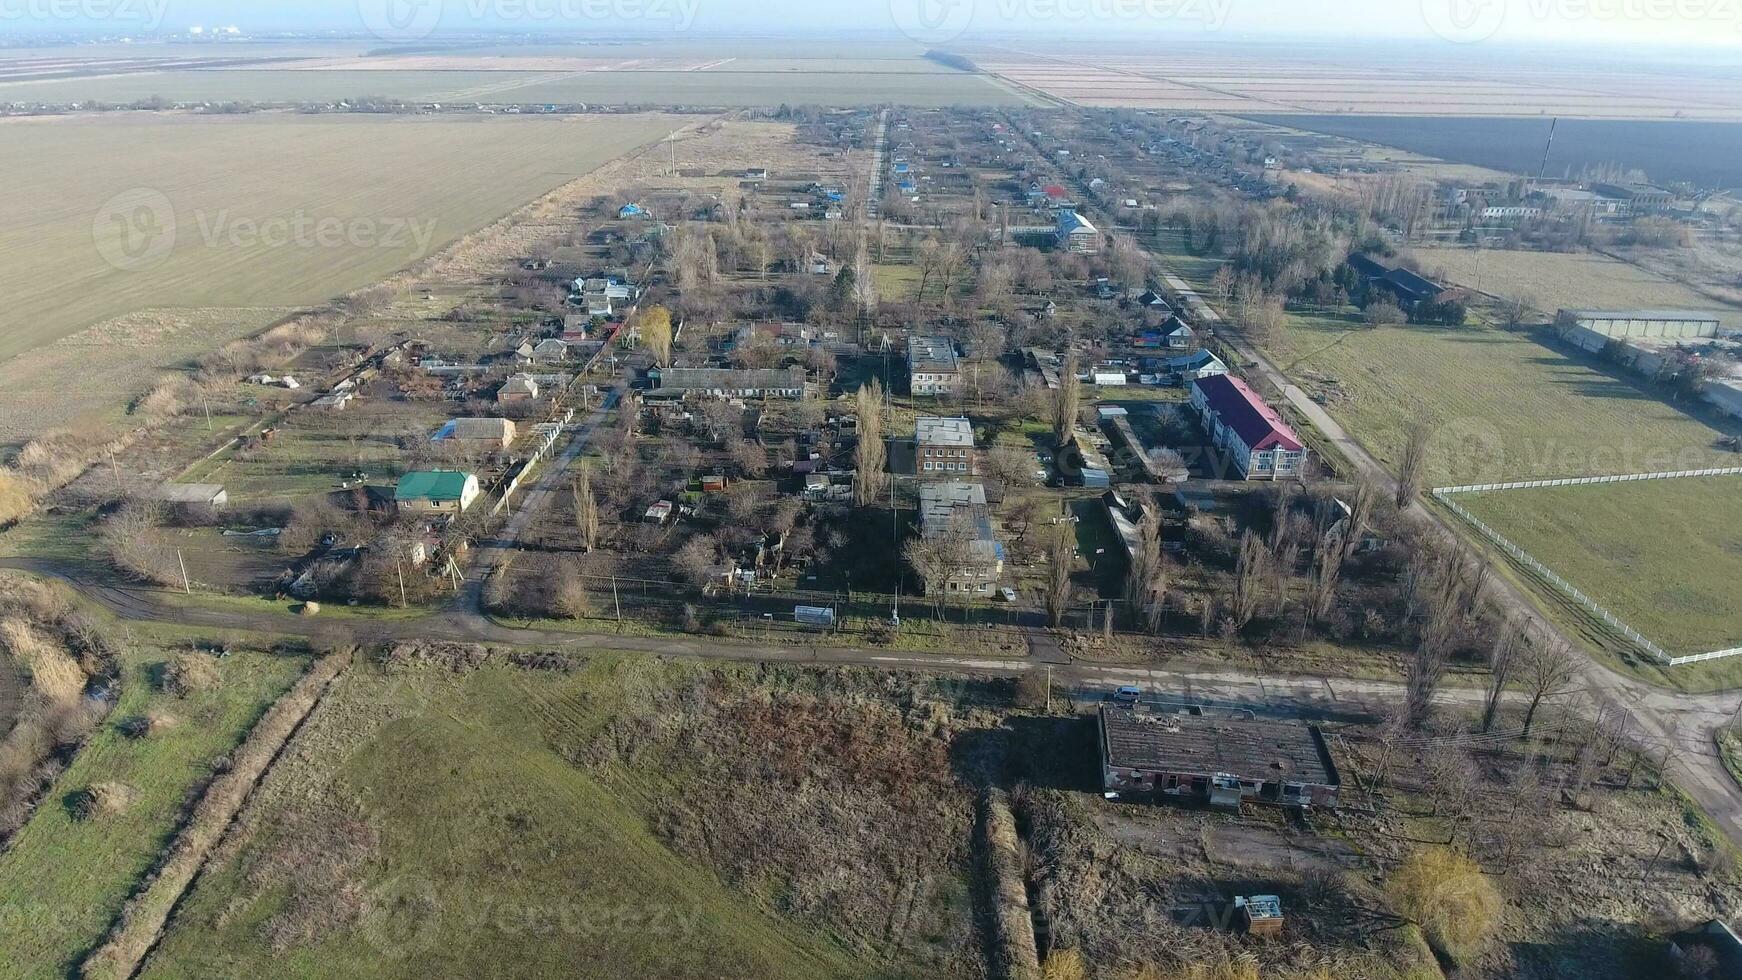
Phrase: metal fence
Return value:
(1444, 495)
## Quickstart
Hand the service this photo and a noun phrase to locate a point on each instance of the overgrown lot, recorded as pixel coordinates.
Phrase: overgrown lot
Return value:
(671, 821)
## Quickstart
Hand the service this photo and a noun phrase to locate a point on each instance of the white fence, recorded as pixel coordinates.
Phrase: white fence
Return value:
(1588, 480)
(1444, 495)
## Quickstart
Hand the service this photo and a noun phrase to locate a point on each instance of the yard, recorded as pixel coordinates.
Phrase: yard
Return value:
(1663, 555)
(65, 878)
(1503, 407)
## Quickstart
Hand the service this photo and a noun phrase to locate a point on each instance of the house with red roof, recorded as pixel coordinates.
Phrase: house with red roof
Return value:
(1258, 442)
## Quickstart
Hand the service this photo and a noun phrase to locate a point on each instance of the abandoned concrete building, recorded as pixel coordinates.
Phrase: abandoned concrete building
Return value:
(1220, 760)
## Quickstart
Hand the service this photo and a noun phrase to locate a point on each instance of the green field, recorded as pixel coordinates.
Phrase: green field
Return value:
(1663, 555)
(65, 879)
(748, 83)
(426, 823)
(1504, 407)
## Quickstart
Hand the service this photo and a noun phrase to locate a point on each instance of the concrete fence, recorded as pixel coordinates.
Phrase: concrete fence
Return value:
(1572, 592)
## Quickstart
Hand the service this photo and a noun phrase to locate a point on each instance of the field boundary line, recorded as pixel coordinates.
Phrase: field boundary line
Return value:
(1444, 496)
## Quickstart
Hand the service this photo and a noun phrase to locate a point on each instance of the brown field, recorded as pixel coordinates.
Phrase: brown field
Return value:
(1258, 82)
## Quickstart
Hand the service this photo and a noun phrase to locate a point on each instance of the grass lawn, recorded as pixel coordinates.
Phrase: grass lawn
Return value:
(1664, 555)
(65, 879)
(1504, 406)
(429, 824)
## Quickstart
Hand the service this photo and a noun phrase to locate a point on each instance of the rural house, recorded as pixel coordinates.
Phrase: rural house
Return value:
(1076, 234)
(1181, 337)
(518, 390)
(958, 508)
(1188, 368)
(1256, 439)
(1220, 760)
(944, 447)
(436, 492)
(932, 368)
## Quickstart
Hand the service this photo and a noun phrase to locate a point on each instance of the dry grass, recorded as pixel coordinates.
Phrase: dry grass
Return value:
(145, 914)
(1553, 280)
(53, 671)
(104, 800)
(188, 674)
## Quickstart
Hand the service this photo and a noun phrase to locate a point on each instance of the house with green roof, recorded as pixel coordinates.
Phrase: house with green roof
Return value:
(436, 492)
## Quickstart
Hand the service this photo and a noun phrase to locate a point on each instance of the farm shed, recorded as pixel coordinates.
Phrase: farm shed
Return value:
(477, 433)
(193, 495)
(1219, 760)
(1655, 324)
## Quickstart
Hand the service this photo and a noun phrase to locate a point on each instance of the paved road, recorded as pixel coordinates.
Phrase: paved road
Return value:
(1686, 725)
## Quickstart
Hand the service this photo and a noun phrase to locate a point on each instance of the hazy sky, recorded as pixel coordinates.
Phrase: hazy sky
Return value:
(1631, 22)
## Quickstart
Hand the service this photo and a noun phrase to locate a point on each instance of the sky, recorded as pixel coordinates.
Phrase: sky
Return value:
(1705, 23)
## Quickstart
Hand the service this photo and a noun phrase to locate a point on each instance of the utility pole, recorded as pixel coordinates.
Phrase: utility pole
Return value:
(1049, 689)
(615, 601)
(397, 567)
(186, 584)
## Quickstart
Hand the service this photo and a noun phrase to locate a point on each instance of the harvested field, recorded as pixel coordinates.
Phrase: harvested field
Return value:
(223, 233)
(716, 82)
(1504, 407)
(1663, 555)
(1556, 280)
(1269, 80)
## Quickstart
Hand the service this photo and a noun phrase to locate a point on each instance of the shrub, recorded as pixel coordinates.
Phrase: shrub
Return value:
(102, 800)
(1449, 897)
(189, 673)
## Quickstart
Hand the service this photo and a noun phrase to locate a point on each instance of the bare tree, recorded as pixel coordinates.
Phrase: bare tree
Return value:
(586, 508)
(1548, 670)
(872, 455)
(1360, 518)
(1146, 575)
(1412, 466)
(1327, 574)
(1250, 573)
(1502, 660)
(1423, 673)
(1066, 402)
(1061, 558)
